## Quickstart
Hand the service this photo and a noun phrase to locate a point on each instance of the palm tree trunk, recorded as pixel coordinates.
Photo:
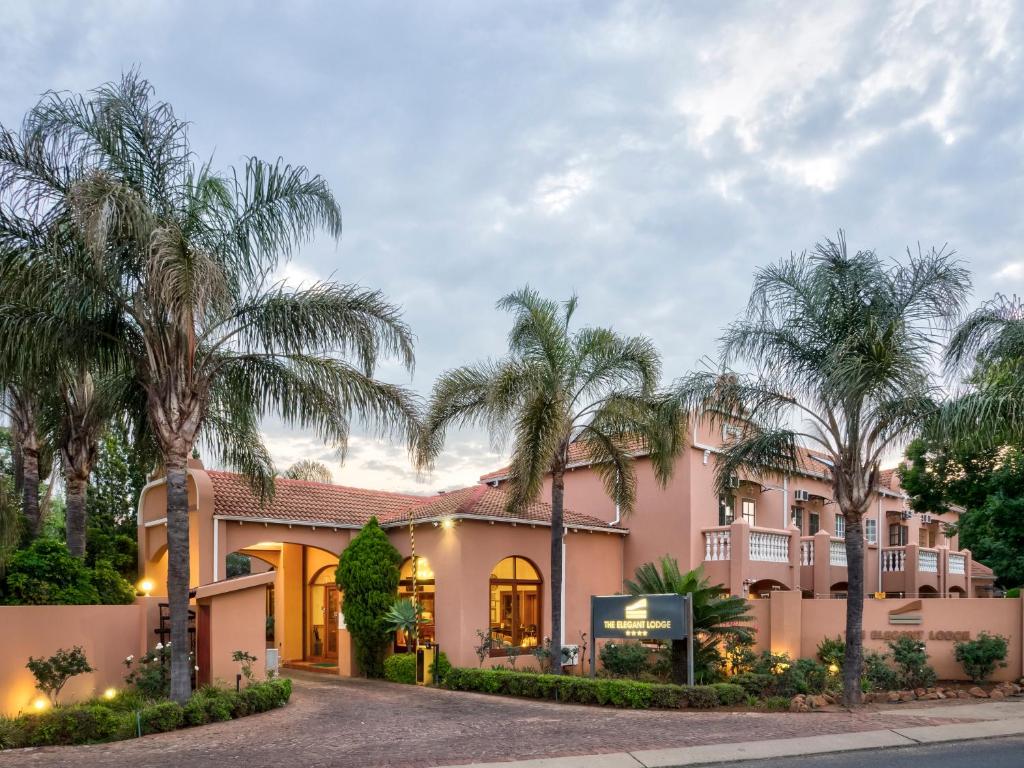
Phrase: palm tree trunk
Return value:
(178, 573)
(557, 533)
(75, 514)
(30, 490)
(853, 661)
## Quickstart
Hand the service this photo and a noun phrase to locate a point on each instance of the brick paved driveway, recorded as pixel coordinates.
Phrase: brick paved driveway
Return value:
(335, 722)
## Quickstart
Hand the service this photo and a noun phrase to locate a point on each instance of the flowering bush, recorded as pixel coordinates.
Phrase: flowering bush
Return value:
(150, 675)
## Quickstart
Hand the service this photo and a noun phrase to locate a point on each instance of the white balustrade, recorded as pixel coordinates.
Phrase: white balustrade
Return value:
(894, 559)
(928, 561)
(957, 564)
(769, 547)
(807, 552)
(837, 552)
(716, 544)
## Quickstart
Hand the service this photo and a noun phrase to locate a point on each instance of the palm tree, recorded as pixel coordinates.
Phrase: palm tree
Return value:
(176, 279)
(21, 404)
(717, 616)
(307, 469)
(556, 387)
(843, 346)
(987, 348)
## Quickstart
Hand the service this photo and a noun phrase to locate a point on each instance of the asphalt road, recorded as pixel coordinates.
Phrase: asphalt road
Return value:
(989, 753)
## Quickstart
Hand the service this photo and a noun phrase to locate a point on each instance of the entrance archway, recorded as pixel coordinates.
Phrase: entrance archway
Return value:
(765, 587)
(324, 601)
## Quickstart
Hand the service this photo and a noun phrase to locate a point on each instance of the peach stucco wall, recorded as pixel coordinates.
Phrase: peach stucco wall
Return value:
(237, 623)
(107, 634)
(788, 624)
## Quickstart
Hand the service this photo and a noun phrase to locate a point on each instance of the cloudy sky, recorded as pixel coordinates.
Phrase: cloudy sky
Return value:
(646, 156)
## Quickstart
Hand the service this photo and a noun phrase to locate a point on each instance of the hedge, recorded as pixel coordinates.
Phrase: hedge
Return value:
(401, 668)
(587, 690)
(101, 720)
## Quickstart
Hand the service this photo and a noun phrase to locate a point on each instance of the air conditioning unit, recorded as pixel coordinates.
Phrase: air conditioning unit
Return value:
(734, 481)
(925, 518)
(906, 515)
(802, 495)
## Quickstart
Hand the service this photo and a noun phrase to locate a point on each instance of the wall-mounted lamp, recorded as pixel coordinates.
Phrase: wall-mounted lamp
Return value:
(146, 587)
(447, 523)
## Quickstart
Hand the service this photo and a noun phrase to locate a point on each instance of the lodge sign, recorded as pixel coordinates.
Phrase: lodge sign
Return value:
(651, 617)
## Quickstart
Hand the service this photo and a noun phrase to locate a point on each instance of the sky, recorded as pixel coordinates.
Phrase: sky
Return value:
(647, 157)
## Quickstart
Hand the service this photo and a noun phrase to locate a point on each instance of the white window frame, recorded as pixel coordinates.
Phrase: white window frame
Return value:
(840, 527)
(871, 530)
(751, 521)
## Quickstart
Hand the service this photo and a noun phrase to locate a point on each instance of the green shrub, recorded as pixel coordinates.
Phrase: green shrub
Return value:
(700, 696)
(45, 573)
(441, 668)
(1013, 592)
(584, 690)
(774, 704)
(981, 656)
(806, 676)
(52, 673)
(111, 587)
(368, 576)
(75, 724)
(150, 674)
(911, 660)
(730, 694)
(400, 668)
(832, 650)
(878, 673)
(12, 732)
(209, 705)
(625, 659)
(163, 716)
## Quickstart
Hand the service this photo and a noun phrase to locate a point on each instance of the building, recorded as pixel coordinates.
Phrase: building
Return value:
(482, 571)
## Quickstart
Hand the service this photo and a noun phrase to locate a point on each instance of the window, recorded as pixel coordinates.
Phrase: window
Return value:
(725, 509)
(897, 535)
(425, 593)
(747, 509)
(514, 608)
(840, 527)
(813, 523)
(798, 517)
(871, 531)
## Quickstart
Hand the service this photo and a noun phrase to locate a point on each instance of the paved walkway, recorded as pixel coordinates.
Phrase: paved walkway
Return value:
(335, 722)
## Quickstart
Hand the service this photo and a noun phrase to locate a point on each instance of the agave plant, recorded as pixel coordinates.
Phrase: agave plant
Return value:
(717, 616)
(404, 616)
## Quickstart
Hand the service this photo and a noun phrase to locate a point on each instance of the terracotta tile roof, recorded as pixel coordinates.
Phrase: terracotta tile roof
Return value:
(485, 501)
(577, 457)
(981, 571)
(306, 501)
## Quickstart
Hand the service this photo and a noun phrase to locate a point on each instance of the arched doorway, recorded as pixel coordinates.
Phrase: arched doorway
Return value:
(957, 592)
(426, 592)
(839, 590)
(324, 604)
(928, 591)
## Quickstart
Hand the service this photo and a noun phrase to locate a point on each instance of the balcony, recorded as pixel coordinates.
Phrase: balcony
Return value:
(752, 559)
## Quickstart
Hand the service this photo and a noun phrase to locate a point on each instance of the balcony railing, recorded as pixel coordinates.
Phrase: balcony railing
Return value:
(768, 547)
(837, 553)
(894, 560)
(717, 544)
(807, 551)
(928, 561)
(957, 564)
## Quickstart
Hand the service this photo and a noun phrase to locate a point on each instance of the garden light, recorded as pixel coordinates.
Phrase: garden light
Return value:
(40, 703)
(833, 668)
(110, 693)
(146, 586)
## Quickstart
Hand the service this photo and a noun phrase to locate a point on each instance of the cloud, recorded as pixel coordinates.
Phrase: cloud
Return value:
(645, 156)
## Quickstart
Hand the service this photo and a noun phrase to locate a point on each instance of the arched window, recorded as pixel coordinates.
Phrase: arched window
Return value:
(515, 604)
(425, 591)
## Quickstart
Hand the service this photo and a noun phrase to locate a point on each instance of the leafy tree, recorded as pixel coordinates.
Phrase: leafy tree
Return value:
(45, 573)
(308, 469)
(988, 483)
(115, 484)
(368, 574)
(843, 347)
(717, 616)
(174, 282)
(556, 387)
(53, 673)
(238, 564)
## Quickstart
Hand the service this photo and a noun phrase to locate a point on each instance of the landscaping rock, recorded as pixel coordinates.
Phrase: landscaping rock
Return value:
(893, 696)
(933, 696)
(816, 702)
(997, 694)
(921, 692)
(906, 696)
(978, 693)
(832, 699)
(963, 695)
